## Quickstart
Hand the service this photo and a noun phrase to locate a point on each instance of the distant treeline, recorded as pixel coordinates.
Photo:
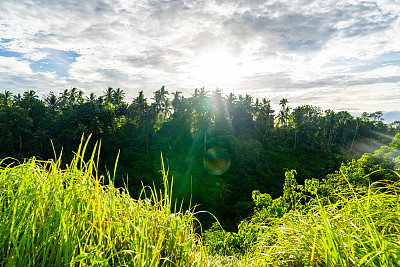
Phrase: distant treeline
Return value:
(262, 142)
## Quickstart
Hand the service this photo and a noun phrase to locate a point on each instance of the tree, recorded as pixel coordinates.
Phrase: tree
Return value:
(176, 102)
(201, 116)
(5, 98)
(118, 102)
(306, 121)
(283, 115)
(29, 98)
(79, 97)
(73, 94)
(52, 102)
(376, 116)
(15, 131)
(118, 97)
(136, 112)
(108, 95)
(394, 126)
(162, 103)
(344, 118)
(64, 99)
(91, 98)
(230, 104)
(265, 114)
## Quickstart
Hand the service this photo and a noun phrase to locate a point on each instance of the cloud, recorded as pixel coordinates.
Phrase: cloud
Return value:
(329, 52)
(286, 33)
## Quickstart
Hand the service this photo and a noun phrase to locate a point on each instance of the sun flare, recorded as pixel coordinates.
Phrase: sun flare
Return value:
(215, 68)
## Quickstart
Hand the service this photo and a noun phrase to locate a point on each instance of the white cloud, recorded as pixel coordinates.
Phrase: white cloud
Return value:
(303, 49)
(15, 66)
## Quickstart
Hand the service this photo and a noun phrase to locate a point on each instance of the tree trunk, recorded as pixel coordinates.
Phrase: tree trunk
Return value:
(20, 144)
(147, 138)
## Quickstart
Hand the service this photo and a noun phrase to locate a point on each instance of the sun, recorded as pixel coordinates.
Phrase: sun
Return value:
(216, 68)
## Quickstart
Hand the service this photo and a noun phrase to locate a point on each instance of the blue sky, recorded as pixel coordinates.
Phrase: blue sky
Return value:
(57, 62)
(341, 55)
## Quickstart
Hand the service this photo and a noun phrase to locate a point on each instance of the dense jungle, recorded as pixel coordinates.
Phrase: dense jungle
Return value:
(260, 144)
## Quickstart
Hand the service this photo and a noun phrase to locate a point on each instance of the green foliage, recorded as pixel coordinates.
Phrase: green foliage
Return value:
(294, 197)
(347, 219)
(368, 169)
(263, 200)
(55, 217)
(354, 231)
(396, 142)
(230, 243)
(309, 140)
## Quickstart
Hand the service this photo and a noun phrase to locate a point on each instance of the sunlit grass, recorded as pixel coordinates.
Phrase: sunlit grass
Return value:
(55, 217)
(68, 217)
(361, 229)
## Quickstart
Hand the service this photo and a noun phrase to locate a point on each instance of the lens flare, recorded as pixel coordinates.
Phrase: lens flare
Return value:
(216, 161)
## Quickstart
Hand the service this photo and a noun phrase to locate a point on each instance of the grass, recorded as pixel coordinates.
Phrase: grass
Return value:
(362, 228)
(54, 217)
(68, 217)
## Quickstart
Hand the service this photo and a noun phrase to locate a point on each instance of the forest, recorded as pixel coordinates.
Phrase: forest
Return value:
(259, 144)
(205, 180)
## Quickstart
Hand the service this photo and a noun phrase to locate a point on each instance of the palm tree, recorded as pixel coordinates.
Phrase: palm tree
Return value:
(108, 94)
(203, 100)
(137, 110)
(162, 101)
(29, 97)
(73, 94)
(283, 114)
(230, 100)
(167, 106)
(91, 98)
(268, 112)
(52, 101)
(79, 97)
(118, 96)
(256, 108)
(265, 114)
(157, 98)
(344, 119)
(176, 101)
(100, 100)
(64, 98)
(141, 101)
(6, 98)
(17, 100)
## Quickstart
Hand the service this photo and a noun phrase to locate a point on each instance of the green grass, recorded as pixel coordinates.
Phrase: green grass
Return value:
(54, 217)
(68, 217)
(362, 228)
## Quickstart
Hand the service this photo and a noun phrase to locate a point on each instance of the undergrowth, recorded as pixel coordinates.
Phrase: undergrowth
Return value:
(55, 217)
(69, 217)
(350, 227)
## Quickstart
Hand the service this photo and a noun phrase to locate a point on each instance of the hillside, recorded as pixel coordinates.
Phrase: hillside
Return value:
(259, 143)
(55, 217)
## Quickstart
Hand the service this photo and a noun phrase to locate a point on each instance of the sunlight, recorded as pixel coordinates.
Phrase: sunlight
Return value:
(215, 68)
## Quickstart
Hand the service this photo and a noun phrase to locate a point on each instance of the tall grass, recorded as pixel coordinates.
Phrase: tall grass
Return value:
(362, 228)
(51, 216)
(55, 217)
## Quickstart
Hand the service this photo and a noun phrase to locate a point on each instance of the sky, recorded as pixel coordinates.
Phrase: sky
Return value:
(340, 55)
